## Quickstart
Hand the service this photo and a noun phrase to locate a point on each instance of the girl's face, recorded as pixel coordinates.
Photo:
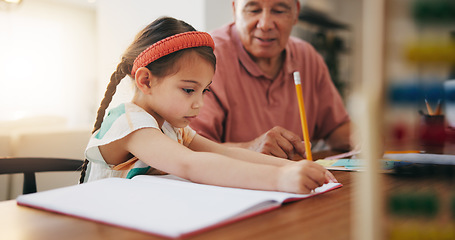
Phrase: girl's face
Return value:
(178, 98)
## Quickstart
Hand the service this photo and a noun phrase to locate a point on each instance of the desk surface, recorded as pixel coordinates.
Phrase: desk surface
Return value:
(325, 216)
(319, 217)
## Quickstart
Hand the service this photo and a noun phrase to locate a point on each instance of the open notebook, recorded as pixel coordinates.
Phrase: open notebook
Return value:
(162, 205)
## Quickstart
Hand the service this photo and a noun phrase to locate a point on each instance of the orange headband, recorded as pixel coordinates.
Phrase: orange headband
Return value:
(172, 44)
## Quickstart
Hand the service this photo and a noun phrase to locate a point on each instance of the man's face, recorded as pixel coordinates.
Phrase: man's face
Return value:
(264, 26)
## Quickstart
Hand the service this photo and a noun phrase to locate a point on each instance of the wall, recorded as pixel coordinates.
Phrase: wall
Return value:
(47, 60)
(217, 13)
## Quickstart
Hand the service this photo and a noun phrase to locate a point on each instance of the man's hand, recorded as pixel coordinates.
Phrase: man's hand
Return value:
(279, 142)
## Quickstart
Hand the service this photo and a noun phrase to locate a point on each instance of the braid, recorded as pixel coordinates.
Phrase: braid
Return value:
(116, 77)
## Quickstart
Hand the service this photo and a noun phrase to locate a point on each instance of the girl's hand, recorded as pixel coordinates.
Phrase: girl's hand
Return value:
(302, 177)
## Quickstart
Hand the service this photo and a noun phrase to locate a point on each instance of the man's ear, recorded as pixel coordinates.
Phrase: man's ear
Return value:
(298, 12)
(144, 78)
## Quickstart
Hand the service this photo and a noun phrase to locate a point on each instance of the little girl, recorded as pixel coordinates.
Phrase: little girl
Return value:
(172, 65)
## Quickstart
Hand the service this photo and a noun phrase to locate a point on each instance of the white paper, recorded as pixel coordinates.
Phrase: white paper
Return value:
(163, 206)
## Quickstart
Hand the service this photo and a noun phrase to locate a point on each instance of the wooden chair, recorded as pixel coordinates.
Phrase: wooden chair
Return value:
(30, 165)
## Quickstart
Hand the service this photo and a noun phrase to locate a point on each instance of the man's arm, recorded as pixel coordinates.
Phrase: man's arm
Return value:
(282, 143)
(277, 142)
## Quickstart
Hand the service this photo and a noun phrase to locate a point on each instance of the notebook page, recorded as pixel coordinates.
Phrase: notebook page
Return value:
(159, 206)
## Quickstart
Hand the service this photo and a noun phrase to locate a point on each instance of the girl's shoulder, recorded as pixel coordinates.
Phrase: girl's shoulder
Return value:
(121, 121)
(133, 114)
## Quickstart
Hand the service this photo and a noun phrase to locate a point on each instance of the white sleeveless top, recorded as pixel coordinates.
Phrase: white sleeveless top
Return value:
(121, 121)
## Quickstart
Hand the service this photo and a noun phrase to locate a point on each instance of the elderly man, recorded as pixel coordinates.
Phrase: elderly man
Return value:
(253, 102)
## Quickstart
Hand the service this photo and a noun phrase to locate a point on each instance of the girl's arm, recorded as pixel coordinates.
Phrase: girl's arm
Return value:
(161, 152)
(202, 144)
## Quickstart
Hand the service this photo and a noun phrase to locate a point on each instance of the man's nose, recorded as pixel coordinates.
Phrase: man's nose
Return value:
(265, 21)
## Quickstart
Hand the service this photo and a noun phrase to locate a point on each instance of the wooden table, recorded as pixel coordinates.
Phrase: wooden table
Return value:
(326, 216)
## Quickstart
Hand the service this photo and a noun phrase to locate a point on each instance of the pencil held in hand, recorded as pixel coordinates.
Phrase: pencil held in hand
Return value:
(306, 135)
(303, 177)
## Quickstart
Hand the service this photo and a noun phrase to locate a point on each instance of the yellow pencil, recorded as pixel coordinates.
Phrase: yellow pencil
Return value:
(306, 135)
